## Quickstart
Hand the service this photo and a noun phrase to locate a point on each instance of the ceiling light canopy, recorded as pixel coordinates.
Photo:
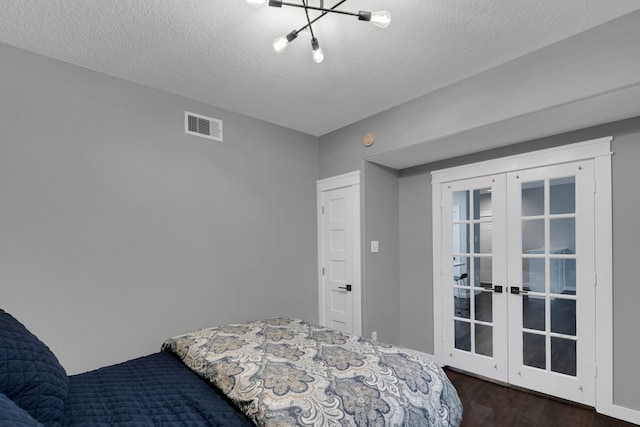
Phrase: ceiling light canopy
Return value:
(380, 19)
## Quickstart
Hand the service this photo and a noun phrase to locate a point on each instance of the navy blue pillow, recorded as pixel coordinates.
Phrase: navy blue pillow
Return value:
(30, 374)
(14, 416)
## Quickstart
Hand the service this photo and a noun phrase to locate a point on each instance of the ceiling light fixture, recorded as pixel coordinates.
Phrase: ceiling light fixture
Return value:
(380, 19)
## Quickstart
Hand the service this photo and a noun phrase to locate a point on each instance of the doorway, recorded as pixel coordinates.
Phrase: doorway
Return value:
(339, 284)
(515, 278)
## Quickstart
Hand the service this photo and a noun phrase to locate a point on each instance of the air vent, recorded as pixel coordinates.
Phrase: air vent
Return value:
(206, 127)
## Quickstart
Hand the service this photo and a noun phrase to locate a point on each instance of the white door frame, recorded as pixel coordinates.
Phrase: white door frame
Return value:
(600, 151)
(350, 179)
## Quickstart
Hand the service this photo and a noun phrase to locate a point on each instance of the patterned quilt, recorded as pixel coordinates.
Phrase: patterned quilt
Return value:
(286, 372)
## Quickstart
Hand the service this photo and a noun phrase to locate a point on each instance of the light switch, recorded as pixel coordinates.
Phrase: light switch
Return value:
(375, 246)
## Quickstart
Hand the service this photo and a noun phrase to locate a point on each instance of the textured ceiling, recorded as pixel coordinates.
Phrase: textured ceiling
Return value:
(219, 51)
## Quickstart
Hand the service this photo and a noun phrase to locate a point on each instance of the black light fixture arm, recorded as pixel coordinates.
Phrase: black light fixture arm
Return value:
(361, 15)
(306, 12)
(313, 21)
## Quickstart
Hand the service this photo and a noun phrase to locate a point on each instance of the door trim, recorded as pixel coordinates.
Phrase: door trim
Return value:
(350, 179)
(563, 154)
(598, 150)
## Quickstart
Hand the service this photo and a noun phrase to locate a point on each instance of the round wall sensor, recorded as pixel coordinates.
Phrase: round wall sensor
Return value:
(368, 140)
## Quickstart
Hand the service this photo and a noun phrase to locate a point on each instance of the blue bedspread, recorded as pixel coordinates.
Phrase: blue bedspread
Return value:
(156, 390)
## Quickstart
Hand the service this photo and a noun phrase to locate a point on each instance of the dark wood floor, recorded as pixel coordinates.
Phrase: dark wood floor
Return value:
(488, 404)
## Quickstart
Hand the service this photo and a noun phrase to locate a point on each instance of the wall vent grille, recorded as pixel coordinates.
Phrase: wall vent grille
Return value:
(205, 127)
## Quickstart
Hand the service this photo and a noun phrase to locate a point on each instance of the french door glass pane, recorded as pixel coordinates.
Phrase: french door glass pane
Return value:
(562, 195)
(461, 202)
(484, 306)
(463, 335)
(533, 198)
(533, 277)
(533, 236)
(569, 277)
(533, 312)
(461, 236)
(461, 303)
(484, 339)
(461, 270)
(482, 239)
(534, 351)
(563, 356)
(562, 276)
(563, 234)
(563, 316)
(482, 268)
(482, 204)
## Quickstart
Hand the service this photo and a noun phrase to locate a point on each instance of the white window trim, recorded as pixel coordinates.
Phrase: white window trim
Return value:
(600, 151)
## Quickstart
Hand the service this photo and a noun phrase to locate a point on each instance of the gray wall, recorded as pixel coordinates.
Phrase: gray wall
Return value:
(118, 230)
(626, 289)
(381, 310)
(416, 255)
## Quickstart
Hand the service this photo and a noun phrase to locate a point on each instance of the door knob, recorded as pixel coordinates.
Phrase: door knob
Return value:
(497, 289)
(517, 291)
(346, 288)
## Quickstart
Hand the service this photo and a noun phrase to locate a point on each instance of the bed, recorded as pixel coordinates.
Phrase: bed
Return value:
(277, 372)
(154, 390)
(288, 372)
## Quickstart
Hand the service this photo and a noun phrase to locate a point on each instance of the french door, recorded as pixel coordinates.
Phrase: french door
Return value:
(552, 280)
(518, 278)
(475, 303)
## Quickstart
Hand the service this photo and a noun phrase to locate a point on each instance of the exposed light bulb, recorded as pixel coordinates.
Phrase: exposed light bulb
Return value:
(381, 19)
(280, 44)
(318, 54)
(257, 3)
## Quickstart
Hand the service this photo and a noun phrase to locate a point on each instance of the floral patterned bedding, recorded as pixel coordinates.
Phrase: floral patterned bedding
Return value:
(287, 372)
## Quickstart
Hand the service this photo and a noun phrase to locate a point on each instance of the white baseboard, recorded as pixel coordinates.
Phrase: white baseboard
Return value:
(620, 412)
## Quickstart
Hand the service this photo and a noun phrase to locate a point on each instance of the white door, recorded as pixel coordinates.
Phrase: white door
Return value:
(519, 308)
(552, 280)
(339, 253)
(474, 291)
